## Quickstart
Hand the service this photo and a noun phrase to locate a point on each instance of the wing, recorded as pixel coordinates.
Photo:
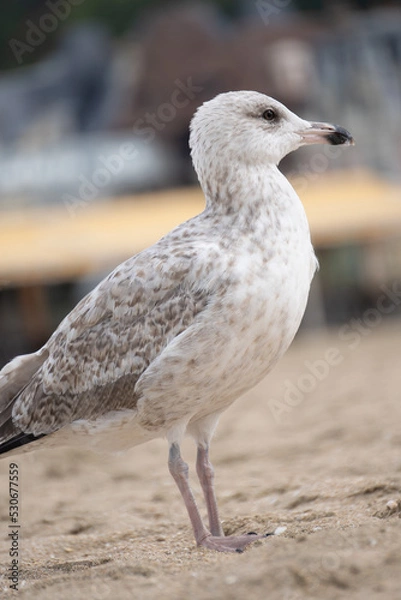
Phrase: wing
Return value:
(102, 347)
(15, 376)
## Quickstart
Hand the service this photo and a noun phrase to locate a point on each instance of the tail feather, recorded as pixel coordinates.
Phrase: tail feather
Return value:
(19, 440)
(14, 377)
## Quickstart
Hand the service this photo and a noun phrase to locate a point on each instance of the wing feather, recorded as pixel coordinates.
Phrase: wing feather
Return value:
(102, 347)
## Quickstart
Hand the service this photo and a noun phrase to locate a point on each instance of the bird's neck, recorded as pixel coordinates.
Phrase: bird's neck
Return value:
(251, 193)
(259, 205)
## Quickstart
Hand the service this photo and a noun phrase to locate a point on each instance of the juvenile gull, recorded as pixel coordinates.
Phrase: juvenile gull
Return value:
(175, 334)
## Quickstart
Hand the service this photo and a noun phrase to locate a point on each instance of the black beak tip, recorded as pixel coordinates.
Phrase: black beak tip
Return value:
(340, 136)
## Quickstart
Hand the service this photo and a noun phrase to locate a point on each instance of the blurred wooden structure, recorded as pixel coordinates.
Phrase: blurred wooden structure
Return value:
(47, 245)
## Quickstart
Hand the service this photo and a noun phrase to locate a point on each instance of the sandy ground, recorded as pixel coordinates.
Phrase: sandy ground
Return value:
(322, 465)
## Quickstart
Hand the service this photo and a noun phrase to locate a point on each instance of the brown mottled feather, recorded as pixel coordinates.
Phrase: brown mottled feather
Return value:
(95, 369)
(178, 332)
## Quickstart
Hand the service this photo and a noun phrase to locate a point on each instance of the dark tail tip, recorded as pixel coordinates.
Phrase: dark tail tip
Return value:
(19, 440)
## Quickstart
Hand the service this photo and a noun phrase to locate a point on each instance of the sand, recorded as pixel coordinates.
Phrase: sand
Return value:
(321, 467)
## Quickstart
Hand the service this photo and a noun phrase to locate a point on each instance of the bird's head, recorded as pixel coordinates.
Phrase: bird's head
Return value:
(249, 128)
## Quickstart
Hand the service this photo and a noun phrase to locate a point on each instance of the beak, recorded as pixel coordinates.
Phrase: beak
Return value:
(324, 133)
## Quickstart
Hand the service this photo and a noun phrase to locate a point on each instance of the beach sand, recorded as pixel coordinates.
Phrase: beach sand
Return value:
(313, 453)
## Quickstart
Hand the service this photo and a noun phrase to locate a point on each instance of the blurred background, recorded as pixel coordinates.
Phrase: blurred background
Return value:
(95, 103)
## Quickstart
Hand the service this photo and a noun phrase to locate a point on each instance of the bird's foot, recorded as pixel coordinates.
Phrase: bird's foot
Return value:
(232, 543)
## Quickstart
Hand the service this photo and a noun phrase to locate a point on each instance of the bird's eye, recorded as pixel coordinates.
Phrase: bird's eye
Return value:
(269, 114)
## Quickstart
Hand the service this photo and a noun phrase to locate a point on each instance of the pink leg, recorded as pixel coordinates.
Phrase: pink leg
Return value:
(205, 471)
(179, 470)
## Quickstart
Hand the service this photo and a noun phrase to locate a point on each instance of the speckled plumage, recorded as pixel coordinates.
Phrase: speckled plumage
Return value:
(176, 333)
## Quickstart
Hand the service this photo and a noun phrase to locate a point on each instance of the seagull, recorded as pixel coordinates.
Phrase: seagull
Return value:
(170, 338)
